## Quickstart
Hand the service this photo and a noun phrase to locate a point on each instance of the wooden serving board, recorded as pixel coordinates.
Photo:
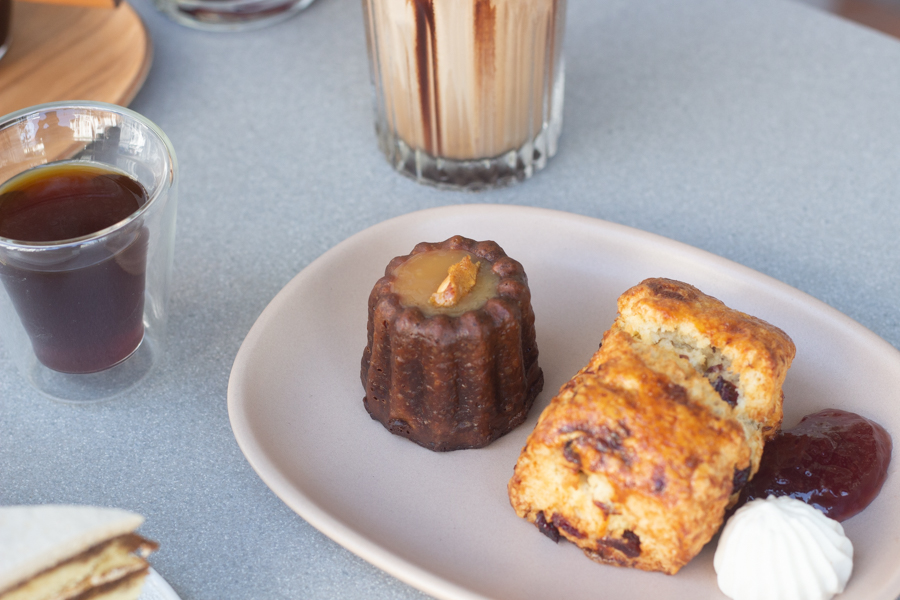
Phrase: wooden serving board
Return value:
(73, 53)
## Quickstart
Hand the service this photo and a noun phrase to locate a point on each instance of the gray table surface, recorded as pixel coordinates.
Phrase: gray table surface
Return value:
(762, 131)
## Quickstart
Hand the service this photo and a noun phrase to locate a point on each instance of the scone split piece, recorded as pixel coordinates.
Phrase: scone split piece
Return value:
(744, 358)
(629, 463)
(639, 455)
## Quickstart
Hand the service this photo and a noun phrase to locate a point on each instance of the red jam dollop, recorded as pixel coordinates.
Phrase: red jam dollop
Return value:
(834, 460)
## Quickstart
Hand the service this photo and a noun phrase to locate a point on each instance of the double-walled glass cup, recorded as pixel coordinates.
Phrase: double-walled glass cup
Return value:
(468, 93)
(85, 318)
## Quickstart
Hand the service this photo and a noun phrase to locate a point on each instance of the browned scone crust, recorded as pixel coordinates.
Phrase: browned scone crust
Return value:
(449, 383)
(748, 353)
(630, 463)
(638, 456)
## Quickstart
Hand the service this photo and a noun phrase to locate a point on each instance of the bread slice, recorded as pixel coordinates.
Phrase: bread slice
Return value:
(63, 552)
(639, 455)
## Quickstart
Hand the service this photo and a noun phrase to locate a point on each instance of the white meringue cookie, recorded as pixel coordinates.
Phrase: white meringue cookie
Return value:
(782, 549)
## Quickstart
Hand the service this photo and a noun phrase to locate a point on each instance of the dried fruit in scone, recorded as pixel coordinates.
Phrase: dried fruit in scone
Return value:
(639, 455)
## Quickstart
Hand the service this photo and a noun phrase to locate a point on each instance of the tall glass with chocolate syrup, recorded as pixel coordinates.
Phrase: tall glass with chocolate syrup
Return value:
(468, 93)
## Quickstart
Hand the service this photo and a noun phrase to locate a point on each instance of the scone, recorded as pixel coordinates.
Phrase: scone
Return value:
(639, 455)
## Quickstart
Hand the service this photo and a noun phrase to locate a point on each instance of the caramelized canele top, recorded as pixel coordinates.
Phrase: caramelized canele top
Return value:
(419, 277)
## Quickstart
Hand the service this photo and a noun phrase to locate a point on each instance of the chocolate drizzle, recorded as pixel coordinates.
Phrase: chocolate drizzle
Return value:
(485, 44)
(426, 69)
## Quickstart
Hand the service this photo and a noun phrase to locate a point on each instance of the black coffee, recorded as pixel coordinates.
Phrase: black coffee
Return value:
(84, 319)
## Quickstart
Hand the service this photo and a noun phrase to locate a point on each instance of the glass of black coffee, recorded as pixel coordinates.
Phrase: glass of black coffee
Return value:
(87, 225)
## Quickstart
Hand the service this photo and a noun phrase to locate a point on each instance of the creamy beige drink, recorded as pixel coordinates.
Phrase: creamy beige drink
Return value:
(469, 92)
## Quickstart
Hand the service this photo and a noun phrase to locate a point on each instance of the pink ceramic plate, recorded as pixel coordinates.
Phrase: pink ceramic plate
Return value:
(442, 522)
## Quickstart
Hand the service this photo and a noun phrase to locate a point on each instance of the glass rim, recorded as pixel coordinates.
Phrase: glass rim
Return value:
(165, 184)
(225, 5)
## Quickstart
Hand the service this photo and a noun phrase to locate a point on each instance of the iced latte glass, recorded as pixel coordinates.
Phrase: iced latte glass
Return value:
(468, 93)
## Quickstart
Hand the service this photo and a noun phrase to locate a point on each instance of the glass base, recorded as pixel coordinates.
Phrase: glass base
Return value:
(468, 175)
(230, 15)
(3, 48)
(100, 386)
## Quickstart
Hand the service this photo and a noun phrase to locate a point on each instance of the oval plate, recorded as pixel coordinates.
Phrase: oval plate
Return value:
(442, 522)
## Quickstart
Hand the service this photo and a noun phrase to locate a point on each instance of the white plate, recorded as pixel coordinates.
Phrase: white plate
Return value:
(157, 588)
(442, 522)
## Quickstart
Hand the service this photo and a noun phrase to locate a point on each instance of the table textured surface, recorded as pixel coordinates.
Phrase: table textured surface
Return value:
(762, 131)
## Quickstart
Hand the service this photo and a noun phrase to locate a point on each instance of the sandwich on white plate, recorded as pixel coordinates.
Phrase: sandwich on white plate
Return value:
(64, 552)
